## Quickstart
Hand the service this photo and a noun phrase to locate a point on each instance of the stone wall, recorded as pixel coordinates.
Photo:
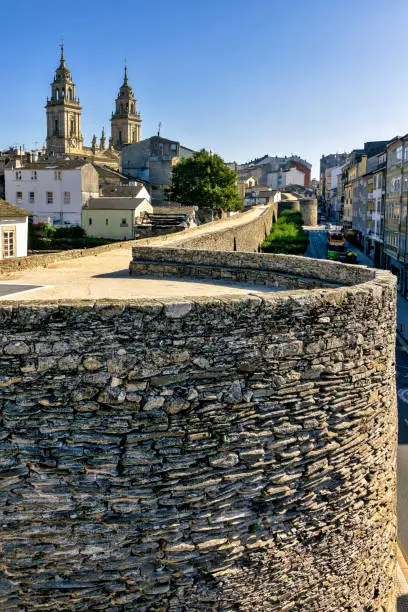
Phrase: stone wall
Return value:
(245, 237)
(308, 208)
(215, 454)
(288, 271)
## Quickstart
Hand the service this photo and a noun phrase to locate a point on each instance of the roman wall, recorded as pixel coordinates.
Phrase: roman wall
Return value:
(210, 454)
(244, 234)
(308, 208)
(273, 270)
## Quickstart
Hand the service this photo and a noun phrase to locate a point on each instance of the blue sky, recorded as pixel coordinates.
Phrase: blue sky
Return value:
(241, 78)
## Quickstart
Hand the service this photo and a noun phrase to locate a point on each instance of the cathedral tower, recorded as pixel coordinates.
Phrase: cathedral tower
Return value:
(63, 113)
(125, 121)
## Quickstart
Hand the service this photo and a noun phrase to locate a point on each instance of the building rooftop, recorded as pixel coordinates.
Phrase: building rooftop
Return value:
(53, 164)
(10, 210)
(110, 203)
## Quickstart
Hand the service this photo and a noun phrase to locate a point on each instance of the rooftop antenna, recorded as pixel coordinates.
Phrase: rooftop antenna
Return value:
(159, 128)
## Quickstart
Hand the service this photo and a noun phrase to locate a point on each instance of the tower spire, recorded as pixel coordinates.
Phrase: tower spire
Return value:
(62, 52)
(125, 81)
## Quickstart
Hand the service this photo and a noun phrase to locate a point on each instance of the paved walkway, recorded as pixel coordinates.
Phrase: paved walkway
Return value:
(106, 276)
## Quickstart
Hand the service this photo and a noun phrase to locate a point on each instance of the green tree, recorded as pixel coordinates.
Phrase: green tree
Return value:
(204, 181)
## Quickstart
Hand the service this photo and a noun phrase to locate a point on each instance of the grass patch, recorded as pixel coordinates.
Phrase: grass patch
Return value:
(287, 235)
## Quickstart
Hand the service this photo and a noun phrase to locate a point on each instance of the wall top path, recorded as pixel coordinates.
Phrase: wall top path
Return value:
(43, 260)
(103, 273)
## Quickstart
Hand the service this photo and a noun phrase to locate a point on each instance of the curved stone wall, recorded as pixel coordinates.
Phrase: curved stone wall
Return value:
(215, 454)
(292, 205)
(308, 208)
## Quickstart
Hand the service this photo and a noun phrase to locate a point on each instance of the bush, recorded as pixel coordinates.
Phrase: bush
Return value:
(74, 231)
(40, 243)
(41, 229)
(46, 237)
(287, 235)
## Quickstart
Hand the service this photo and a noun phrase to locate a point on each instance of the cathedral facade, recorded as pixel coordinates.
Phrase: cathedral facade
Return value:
(64, 136)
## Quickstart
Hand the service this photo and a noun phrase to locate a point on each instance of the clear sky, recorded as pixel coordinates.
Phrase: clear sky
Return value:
(241, 78)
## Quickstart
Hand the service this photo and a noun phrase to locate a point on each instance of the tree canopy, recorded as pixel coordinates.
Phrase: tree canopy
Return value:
(204, 181)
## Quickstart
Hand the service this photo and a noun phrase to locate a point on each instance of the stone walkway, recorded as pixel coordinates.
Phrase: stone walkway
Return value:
(106, 276)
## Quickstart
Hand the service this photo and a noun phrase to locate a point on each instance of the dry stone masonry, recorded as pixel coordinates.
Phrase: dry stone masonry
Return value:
(215, 454)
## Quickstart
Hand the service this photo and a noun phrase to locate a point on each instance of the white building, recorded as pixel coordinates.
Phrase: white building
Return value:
(283, 178)
(13, 230)
(55, 193)
(333, 196)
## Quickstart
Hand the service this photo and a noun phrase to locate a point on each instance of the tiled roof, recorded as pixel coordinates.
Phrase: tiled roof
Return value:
(54, 164)
(115, 203)
(9, 210)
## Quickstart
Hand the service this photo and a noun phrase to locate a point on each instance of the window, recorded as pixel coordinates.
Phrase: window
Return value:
(18, 175)
(398, 153)
(56, 127)
(370, 188)
(67, 197)
(396, 184)
(33, 175)
(57, 175)
(89, 221)
(106, 221)
(31, 197)
(124, 223)
(19, 197)
(50, 197)
(8, 242)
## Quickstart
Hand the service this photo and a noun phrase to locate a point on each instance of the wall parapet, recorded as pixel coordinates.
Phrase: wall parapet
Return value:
(290, 271)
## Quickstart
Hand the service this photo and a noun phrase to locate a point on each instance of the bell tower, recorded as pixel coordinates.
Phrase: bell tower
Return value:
(125, 121)
(63, 113)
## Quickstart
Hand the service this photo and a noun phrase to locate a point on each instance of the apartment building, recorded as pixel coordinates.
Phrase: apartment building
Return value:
(54, 193)
(395, 219)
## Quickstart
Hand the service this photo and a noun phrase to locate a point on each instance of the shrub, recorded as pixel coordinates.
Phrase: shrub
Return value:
(74, 231)
(41, 229)
(287, 235)
(40, 243)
